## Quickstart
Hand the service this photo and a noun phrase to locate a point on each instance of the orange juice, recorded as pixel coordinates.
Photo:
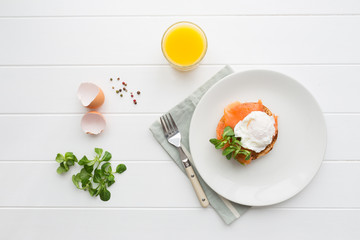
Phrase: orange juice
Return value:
(184, 45)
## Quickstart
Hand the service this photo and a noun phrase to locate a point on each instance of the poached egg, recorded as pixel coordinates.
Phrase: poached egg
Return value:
(256, 130)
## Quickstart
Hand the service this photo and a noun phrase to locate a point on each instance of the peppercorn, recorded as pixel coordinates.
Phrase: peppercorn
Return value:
(121, 95)
(118, 79)
(117, 91)
(132, 95)
(138, 92)
(113, 87)
(110, 79)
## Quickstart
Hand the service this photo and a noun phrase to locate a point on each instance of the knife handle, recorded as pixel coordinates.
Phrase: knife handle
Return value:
(197, 187)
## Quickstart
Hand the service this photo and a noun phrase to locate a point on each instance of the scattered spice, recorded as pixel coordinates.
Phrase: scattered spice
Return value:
(120, 90)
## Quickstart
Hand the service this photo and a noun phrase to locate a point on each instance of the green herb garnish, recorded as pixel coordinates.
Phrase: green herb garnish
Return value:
(65, 161)
(95, 176)
(233, 144)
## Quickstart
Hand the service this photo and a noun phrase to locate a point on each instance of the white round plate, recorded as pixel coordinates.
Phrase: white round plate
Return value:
(297, 153)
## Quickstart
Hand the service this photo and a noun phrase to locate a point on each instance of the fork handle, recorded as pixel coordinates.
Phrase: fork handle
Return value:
(197, 187)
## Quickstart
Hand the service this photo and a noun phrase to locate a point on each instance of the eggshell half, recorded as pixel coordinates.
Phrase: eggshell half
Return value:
(90, 95)
(93, 123)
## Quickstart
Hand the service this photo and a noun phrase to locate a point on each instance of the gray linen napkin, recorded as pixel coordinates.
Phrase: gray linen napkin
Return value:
(182, 114)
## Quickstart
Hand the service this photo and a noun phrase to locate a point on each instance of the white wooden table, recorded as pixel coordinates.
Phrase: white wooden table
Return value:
(47, 48)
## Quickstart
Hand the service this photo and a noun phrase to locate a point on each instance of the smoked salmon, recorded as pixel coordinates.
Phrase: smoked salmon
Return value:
(235, 112)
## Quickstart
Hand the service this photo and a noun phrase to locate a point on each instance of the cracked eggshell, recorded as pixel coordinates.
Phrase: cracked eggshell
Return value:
(93, 123)
(90, 95)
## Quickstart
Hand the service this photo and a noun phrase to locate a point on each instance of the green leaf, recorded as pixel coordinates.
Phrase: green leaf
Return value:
(83, 175)
(70, 162)
(246, 153)
(99, 151)
(76, 180)
(97, 176)
(64, 165)
(110, 180)
(236, 152)
(89, 185)
(91, 163)
(106, 168)
(60, 170)
(84, 160)
(111, 177)
(109, 183)
(60, 158)
(69, 156)
(121, 168)
(106, 157)
(215, 141)
(92, 191)
(227, 151)
(234, 147)
(228, 131)
(84, 183)
(98, 190)
(237, 142)
(105, 194)
(220, 145)
(228, 157)
(89, 169)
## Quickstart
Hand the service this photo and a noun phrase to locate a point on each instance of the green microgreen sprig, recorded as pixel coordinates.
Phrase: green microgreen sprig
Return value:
(233, 144)
(65, 162)
(95, 176)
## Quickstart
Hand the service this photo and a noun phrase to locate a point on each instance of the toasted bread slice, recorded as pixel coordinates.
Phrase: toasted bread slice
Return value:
(254, 155)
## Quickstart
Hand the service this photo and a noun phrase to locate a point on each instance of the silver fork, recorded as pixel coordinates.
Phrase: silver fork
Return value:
(173, 136)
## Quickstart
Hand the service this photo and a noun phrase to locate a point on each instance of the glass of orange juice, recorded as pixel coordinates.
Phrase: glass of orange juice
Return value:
(184, 45)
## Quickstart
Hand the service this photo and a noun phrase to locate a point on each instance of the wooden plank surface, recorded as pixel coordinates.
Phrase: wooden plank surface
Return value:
(154, 184)
(165, 7)
(53, 89)
(47, 48)
(170, 224)
(232, 40)
(60, 133)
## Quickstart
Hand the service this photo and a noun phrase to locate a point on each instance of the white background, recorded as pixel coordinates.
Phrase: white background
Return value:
(47, 48)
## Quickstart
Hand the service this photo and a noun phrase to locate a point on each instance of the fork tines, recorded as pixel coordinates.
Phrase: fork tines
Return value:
(168, 124)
